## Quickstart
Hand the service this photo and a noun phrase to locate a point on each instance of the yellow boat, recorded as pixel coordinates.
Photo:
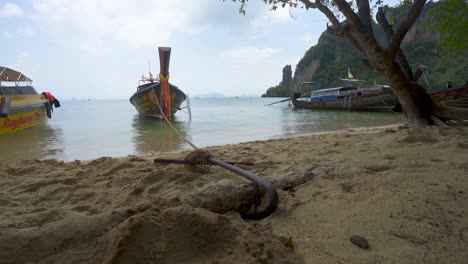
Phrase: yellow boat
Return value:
(21, 106)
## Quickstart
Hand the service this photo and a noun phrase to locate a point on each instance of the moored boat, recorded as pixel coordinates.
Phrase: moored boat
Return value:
(21, 106)
(452, 94)
(456, 97)
(377, 98)
(157, 97)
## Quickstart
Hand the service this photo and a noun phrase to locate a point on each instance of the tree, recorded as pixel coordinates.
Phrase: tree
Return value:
(449, 19)
(386, 58)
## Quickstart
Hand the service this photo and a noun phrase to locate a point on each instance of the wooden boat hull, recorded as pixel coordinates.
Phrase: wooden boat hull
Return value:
(24, 111)
(148, 100)
(369, 102)
(460, 103)
(451, 94)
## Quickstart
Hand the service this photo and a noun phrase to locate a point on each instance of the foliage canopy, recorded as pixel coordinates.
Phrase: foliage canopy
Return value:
(450, 19)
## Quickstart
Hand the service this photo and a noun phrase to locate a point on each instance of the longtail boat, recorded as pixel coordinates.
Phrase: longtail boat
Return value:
(377, 98)
(157, 97)
(457, 97)
(21, 106)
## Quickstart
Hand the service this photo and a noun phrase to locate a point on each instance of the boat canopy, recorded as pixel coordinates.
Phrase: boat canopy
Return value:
(346, 88)
(9, 75)
(331, 93)
(352, 80)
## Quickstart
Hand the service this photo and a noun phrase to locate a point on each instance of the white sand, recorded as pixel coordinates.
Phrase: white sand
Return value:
(405, 191)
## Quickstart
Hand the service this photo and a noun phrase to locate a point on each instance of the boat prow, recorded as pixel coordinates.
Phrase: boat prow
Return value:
(149, 98)
(157, 97)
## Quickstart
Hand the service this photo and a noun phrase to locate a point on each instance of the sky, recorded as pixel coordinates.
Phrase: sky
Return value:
(99, 49)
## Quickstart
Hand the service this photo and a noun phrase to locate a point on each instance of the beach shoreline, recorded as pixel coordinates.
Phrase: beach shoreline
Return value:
(403, 190)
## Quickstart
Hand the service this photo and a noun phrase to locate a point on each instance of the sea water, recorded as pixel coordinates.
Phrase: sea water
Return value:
(88, 129)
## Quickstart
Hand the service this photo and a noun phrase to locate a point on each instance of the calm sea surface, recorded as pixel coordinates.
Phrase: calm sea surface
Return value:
(84, 129)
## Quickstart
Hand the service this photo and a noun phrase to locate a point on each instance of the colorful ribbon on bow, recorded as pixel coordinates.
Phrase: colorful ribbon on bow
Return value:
(166, 95)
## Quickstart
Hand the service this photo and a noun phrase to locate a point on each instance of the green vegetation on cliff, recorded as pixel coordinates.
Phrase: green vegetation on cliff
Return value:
(450, 19)
(336, 56)
(277, 91)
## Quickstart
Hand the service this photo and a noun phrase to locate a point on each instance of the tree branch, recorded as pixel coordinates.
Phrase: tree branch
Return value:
(382, 20)
(348, 12)
(405, 67)
(359, 35)
(364, 15)
(325, 10)
(399, 56)
(404, 26)
(332, 31)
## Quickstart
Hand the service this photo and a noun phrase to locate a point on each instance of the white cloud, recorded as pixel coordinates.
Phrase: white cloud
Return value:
(20, 32)
(282, 13)
(249, 55)
(94, 46)
(7, 35)
(133, 24)
(264, 21)
(23, 61)
(11, 10)
(91, 37)
(145, 23)
(24, 32)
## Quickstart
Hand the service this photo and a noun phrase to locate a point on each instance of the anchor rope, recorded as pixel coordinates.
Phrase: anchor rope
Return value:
(169, 122)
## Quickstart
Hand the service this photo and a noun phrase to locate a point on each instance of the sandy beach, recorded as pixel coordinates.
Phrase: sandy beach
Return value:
(405, 191)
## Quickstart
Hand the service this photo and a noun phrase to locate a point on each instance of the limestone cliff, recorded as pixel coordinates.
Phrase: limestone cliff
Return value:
(287, 76)
(283, 88)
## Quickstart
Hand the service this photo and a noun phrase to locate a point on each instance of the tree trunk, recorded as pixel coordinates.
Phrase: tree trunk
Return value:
(415, 101)
(417, 104)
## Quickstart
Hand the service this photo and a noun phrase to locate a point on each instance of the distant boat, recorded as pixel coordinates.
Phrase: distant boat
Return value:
(157, 97)
(21, 106)
(377, 98)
